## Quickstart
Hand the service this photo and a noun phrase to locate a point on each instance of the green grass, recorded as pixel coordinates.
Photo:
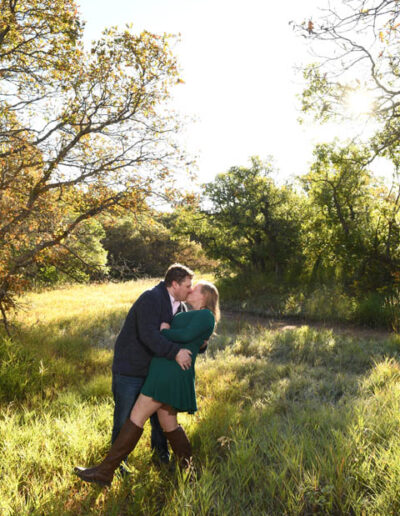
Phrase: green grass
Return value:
(293, 422)
(261, 295)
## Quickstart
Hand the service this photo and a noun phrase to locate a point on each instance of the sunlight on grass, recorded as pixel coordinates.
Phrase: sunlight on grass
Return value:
(296, 422)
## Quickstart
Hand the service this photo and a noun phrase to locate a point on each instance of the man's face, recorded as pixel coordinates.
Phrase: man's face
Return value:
(180, 291)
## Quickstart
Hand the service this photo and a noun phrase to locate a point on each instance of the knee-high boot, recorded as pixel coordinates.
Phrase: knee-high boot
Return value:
(180, 445)
(122, 446)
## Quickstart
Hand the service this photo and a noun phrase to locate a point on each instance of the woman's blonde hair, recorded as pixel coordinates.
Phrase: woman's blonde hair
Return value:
(211, 294)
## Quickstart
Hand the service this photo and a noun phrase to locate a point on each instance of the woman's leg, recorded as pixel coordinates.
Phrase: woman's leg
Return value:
(123, 445)
(143, 409)
(125, 442)
(167, 418)
(176, 435)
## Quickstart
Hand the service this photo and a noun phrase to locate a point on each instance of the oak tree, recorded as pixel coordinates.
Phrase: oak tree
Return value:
(82, 131)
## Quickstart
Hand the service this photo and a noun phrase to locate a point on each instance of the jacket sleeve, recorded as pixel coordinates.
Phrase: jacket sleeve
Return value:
(148, 315)
(198, 326)
(203, 350)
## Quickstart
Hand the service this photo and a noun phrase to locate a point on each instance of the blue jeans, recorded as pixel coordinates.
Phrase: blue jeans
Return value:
(125, 390)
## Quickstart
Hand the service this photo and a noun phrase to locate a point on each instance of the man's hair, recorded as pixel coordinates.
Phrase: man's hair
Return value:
(177, 272)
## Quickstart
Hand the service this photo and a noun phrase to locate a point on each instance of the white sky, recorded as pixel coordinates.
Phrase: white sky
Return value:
(237, 59)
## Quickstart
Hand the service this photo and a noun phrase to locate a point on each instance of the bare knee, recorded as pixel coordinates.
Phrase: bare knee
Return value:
(143, 409)
(167, 418)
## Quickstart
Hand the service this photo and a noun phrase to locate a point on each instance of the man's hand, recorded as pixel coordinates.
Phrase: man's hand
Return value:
(165, 326)
(184, 358)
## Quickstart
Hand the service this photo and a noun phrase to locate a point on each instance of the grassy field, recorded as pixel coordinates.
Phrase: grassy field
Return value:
(291, 422)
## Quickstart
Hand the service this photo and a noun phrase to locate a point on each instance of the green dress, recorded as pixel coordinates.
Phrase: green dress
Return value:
(167, 381)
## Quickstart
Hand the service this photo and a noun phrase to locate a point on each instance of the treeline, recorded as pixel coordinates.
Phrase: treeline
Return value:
(86, 144)
(327, 246)
(119, 248)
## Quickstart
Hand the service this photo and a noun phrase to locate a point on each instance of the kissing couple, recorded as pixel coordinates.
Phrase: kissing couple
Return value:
(154, 369)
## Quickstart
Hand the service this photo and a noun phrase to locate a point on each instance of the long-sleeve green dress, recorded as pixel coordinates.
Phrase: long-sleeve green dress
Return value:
(167, 382)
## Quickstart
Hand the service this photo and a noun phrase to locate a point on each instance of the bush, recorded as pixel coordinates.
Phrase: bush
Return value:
(329, 303)
(376, 309)
(145, 247)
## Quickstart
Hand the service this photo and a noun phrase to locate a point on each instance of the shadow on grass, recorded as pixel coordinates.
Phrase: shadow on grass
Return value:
(294, 423)
(42, 360)
(293, 427)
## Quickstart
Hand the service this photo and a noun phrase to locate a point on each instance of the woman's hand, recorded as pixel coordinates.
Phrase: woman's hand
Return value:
(165, 326)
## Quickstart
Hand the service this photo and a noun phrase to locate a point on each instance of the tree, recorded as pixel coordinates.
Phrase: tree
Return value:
(81, 132)
(80, 257)
(356, 44)
(354, 230)
(250, 224)
(147, 244)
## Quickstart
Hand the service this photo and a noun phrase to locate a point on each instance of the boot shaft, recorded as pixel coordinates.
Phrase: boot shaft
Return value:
(180, 445)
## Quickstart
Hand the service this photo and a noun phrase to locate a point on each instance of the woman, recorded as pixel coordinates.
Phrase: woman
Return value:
(168, 389)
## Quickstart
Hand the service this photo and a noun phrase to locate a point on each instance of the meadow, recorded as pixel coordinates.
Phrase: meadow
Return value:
(294, 421)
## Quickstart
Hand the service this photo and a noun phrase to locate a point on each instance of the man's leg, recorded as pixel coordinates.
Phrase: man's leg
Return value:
(159, 443)
(125, 390)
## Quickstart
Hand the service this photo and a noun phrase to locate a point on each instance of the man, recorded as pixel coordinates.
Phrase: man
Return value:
(140, 339)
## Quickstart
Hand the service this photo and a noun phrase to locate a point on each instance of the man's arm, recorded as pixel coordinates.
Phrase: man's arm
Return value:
(203, 347)
(148, 315)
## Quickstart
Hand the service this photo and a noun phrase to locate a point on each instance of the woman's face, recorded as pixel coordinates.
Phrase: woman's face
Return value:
(196, 298)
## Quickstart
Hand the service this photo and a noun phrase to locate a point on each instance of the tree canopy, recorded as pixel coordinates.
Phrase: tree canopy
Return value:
(81, 131)
(356, 46)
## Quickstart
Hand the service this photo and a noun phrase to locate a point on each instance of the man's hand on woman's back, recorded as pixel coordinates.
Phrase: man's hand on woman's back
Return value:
(184, 358)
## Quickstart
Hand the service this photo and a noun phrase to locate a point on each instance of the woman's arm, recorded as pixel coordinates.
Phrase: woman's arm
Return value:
(197, 327)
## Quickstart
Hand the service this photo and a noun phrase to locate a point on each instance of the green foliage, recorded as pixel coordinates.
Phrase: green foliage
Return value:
(145, 245)
(354, 227)
(80, 257)
(83, 132)
(317, 96)
(251, 223)
(256, 294)
(320, 253)
(21, 373)
(376, 309)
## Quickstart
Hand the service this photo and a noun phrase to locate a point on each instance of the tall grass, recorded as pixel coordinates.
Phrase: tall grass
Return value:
(292, 422)
(259, 294)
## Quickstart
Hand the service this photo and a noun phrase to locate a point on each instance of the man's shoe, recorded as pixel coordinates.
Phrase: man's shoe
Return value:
(159, 457)
(123, 470)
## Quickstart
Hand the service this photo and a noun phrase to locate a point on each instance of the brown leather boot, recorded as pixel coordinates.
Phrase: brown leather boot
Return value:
(122, 446)
(180, 445)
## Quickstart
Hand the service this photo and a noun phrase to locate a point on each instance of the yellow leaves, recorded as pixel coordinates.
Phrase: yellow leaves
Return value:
(99, 91)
